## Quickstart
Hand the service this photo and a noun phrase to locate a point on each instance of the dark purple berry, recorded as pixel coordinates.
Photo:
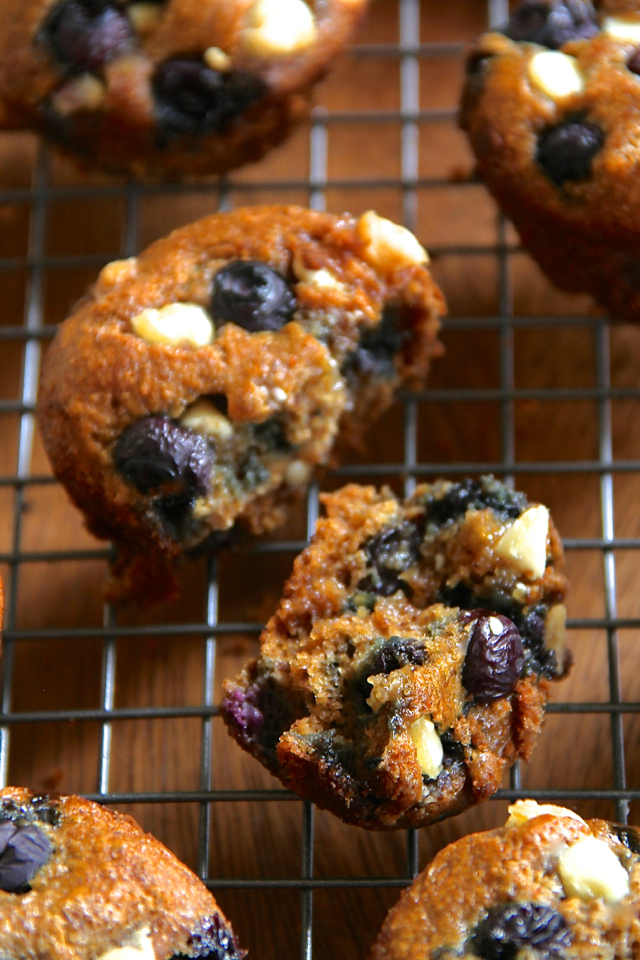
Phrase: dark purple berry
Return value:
(565, 152)
(378, 346)
(629, 836)
(213, 941)
(253, 295)
(240, 707)
(553, 23)
(23, 850)
(191, 98)
(85, 34)
(156, 453)
(495, 656)
(398, 652)
(633, 63)
(483, 494)
(516, 926)
(388, 554)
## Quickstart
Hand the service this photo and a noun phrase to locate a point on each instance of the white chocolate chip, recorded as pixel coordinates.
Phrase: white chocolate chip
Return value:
(144, 16)
(556, 74)
(217, 59)
(523, 810)
(81, 93)
(322, 278)
(428, 747)
(175, 324)
(117, 271)
(622, 28)
(279, 395)
(589, 868)
(555, 628)
(279, 27)
(524, 544)
(203, 418)
(297, 473)
(387, 244)
(140, 948)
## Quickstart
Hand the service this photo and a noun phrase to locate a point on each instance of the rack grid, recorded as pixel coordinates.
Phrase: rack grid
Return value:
(34, 332)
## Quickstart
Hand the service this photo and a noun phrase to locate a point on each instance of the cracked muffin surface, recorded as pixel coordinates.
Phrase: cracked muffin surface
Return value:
(162, 88)
(194, 389)
(552, 110)
(79, 882)
(411, 657)
(546, 886)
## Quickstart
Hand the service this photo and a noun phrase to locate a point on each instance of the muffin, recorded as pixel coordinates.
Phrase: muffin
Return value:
(191, 393)
(412, 654)
(547, 885)
(552, 110)
(78, 882)
(161, 88)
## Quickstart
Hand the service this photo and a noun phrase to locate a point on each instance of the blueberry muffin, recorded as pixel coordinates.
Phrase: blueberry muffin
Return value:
(162, 88)
(547, 886)
(410, 660)
(552, 111)
(193, 390)
(78, 882)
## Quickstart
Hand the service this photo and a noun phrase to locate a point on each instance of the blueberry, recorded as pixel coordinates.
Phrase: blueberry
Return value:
(629, 836)
(633, 63)
(23, 850)
(213, 941)
(398, 652)
(156, 453)
(378, 346)
(553, 23)
(191, 98)
(389, 553)
(483, 494)
(565, 152)
(253, 295)
(85, 34)
(515, 926)
(495, 656)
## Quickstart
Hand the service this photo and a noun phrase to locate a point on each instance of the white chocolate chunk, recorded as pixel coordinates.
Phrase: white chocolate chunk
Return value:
(81, 93)
(175, 324)
(322, 278)
(428, 746)
(140, 948)
(523, 810)
(144, 16)
(622, 28)
(555, 630)
(556, 74)
(387, 244)
(523, 546)
(589, 868)
(279, 27)
(217, 59)
(297, 473)
(117, 271)
(203, 418)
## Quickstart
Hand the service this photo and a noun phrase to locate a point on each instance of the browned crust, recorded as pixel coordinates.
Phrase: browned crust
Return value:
(106, 880)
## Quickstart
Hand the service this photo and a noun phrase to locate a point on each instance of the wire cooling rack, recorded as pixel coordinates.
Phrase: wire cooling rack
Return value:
(593, 548)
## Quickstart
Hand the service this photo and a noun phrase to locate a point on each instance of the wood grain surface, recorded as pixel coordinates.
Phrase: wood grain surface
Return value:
(252, 839)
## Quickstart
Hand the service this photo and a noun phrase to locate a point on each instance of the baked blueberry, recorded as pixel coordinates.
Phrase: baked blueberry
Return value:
(156, 453)
(214, 940)
(191, 98)
(396, 653)
(633, 63)
(514, 926)
(495, 657)
(552, 23)
(475, 495)
(390, 553)
(379, 346)
(86, 34)
(23, 850)
(252, 295)
(565, 152)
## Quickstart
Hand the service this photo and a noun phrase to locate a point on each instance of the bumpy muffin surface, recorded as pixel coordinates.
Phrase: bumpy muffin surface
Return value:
(552, 111)
(78, 882)
(160, 88)
(410, 659)
(547, 886)
(197, 385)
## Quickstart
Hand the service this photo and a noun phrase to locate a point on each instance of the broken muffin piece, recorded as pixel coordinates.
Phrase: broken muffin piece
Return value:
(411, 657)
(193, 391)
(546, 885)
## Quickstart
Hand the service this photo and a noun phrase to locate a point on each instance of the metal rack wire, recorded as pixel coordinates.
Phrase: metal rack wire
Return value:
(33, 332)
